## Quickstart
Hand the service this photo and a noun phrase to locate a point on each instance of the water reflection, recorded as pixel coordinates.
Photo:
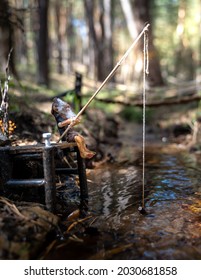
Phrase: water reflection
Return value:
(114, 190)
(170, 189)
(170, 230)
(118, 188)
(171, 182)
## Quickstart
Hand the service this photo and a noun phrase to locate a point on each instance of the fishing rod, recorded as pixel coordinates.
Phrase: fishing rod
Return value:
(110, 75)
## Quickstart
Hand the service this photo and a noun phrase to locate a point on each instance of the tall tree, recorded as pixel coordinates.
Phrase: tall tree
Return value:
(9, 21)
(60, 31)
(137, 14)
(71, 40)
(42, 42)
(142, 15)
(108, 6)
(130, 19)
(66, 42)
(185, 65)
(101, 34)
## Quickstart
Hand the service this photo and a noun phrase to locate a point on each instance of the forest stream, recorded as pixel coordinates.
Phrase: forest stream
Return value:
(68, 50)
(112, 227)
(171, 227)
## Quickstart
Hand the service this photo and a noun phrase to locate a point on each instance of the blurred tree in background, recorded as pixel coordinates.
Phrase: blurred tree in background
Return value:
(90, 36)
(42, 42)
(137, 13)
(99, 17)
(10, 22)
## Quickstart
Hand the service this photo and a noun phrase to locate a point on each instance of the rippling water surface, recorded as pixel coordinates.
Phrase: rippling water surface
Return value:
(171, 228)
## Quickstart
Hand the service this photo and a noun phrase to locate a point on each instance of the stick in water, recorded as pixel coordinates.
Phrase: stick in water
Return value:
(105, 81)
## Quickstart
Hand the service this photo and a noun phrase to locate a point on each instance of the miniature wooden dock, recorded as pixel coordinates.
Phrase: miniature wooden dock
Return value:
(47, 155)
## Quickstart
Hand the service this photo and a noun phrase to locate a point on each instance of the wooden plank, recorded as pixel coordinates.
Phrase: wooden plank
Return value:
(35, 148)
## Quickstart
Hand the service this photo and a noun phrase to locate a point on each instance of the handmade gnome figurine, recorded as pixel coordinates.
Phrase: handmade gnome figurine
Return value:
(65, 116)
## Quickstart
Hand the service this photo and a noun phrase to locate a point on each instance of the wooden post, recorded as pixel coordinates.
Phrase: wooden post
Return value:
(5, 167)
(78, 87)
(49, 176)
(82, 177)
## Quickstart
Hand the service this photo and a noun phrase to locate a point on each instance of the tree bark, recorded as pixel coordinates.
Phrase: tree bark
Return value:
(8, 23)
(130, 19)
(184, 60)
(142, 15)
(58, 8)
(137, 14)
(89, 11)
(71, 41)
(42, 43)
(101, 36)
(108, 27)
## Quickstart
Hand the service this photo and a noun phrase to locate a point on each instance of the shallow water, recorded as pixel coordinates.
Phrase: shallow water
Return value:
(171, 228)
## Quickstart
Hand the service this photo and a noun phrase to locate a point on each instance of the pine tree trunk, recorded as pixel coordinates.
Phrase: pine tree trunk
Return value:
(42, 43)
(108, 27)
(141, 9)
(58, 8)
(71, 42)
(7, 40)
(101, 37)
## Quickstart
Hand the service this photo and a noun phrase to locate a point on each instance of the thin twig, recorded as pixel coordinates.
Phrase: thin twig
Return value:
(13, 208)
(77, 222)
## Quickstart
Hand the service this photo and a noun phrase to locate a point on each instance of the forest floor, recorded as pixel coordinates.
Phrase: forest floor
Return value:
(113, 138)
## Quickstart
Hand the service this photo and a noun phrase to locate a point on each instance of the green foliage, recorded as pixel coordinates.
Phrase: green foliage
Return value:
(167, 40)
(107, 108)
(134, 114)
(72, 99)
(198, 112)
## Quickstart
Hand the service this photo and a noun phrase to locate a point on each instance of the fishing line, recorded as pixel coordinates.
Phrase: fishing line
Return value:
(145, 72)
